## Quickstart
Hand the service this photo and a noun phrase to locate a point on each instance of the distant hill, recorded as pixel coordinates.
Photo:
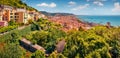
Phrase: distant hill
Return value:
(16, 3)
(53, 14)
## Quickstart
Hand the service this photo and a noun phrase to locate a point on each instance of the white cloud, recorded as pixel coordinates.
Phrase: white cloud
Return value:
(98, 3)
(71, 3)
(81, 7)
(51, 5)
(43, 4)
(103, 0)
(116, 7)
(87, 0)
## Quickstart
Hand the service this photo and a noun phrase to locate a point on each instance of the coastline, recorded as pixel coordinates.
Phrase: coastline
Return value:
(114, 20)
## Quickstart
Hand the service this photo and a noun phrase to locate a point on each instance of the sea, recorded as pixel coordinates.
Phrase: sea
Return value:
(114, 20)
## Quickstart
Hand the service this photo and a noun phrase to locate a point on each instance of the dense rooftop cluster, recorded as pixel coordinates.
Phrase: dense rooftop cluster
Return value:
(69, 22)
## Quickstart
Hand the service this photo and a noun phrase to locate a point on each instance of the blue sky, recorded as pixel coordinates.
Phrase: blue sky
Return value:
(78, 7)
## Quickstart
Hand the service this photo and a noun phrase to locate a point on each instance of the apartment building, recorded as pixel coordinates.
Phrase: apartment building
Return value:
(5, 11)
(20, 15)
(8, 13)
(31, 15)
(35, 15)
(0, 16)
(4, 14)
(0, 13)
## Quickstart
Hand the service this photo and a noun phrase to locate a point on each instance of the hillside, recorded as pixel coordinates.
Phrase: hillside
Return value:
(53, 14)
(61, 35)
(16, 3)
(97, 42)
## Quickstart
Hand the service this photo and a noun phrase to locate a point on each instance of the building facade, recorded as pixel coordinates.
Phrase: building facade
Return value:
(0, 16)
(20, 15)
(3, 23)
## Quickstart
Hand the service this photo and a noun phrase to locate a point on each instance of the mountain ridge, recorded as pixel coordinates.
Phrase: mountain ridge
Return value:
(53, 14)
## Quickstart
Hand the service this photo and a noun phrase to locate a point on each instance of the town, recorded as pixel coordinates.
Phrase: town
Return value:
(19, 15)
(59, 29)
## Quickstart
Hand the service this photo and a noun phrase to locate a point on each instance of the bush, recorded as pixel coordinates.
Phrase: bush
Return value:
(8, 28)
(11, 51)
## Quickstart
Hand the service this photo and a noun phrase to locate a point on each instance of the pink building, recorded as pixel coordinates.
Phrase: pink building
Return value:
(3, 23)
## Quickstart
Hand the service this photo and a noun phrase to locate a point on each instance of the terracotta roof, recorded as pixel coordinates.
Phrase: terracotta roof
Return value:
(69, 22)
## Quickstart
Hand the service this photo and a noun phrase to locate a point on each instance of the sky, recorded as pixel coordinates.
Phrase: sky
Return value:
(78, 7)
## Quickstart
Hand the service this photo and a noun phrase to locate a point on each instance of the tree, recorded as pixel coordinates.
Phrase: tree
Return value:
(12, 22)
(30, 21)
(34, 26)
(56, 55)
(38, 54)
(15, 37)
(12, 51)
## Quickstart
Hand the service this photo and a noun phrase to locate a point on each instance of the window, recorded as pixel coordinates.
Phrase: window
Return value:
(25, 17)
(11, 16)
(16, 19)
(16, 13)
(11, 13)
(16, 16)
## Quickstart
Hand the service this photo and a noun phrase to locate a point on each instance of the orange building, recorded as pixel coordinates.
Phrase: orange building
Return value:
(5, 11)
(32, 15)
(35, 15)
(8, 13)
(20, 15)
